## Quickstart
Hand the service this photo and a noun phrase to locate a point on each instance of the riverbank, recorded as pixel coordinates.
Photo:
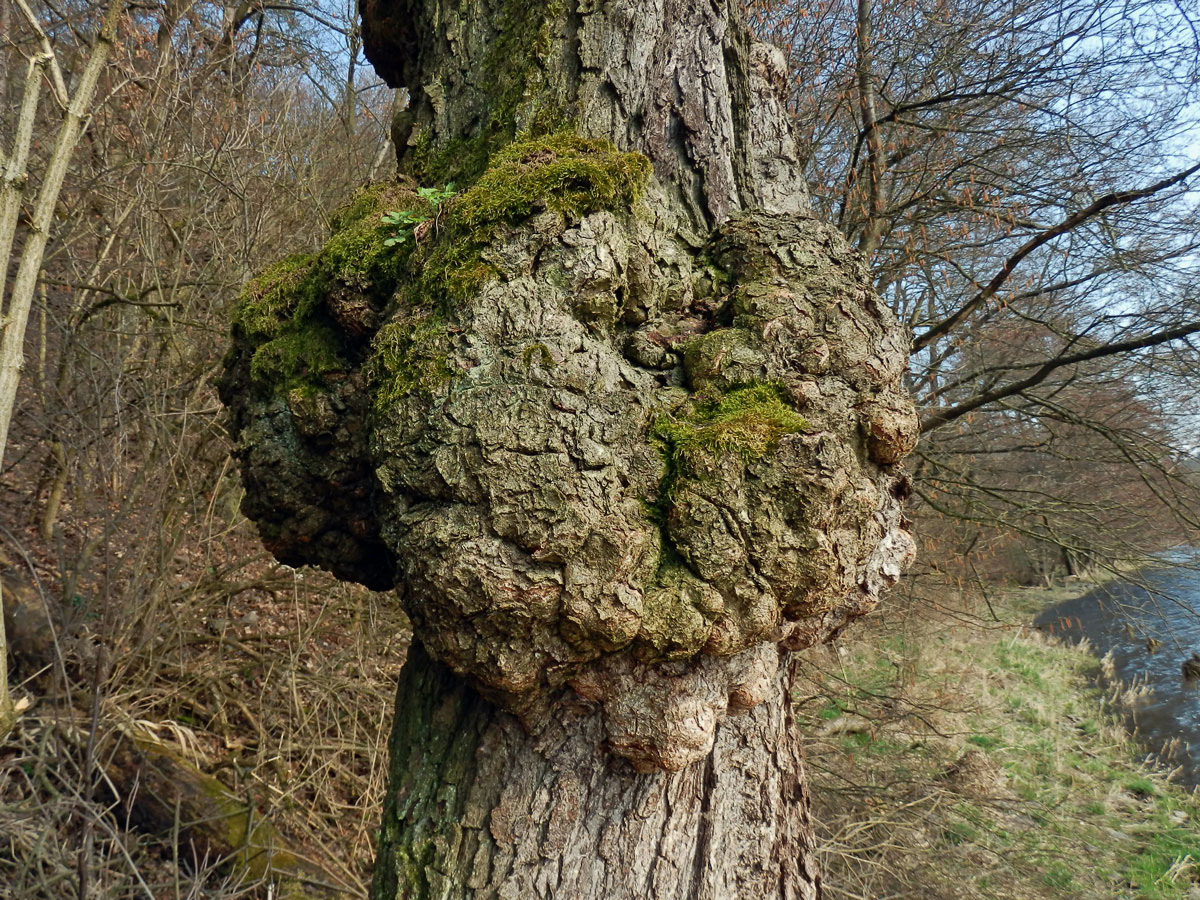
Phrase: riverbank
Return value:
(959, 752)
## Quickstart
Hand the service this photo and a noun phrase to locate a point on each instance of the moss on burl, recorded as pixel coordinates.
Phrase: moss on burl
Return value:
(746, 422)
(696, 440)
(301, 316)
(299, 358)
(309, 316)
(278, 314)
(679, 611)
(561, 172)
(409, 354)
(273, 296)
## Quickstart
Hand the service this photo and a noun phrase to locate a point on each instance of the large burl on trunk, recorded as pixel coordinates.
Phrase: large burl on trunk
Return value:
(620, 422)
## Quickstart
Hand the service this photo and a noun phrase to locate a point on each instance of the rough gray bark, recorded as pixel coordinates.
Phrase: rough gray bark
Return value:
(621, 422)
(482, 809)
(680, 81)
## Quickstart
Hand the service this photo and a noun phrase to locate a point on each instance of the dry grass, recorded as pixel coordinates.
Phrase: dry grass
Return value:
(951, 755)
(280, 683)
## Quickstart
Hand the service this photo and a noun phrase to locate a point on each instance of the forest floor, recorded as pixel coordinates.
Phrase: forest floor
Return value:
(950, 755)
(955, 756)
(250, 686)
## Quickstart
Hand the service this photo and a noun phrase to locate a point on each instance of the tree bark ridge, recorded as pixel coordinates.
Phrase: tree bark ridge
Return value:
(682, 82)
(480, 809)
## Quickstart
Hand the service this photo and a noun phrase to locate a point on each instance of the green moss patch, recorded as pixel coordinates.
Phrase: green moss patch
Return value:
(410, 354)
(357, 259)
(538, 355)
(460, 160)
(357, 256)
(561, 172)
(283, 313)
(299, 357)
(272, 297)
(746, 422)
(278, 313)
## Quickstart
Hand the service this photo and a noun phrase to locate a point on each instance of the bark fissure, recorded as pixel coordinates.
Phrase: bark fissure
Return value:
(547, 817)
(701, 863)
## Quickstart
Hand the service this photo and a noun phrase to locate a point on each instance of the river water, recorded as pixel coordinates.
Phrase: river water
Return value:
(1160, 604)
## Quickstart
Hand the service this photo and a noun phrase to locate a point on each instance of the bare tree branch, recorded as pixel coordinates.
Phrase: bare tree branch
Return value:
(1073, 221)
(939, 418)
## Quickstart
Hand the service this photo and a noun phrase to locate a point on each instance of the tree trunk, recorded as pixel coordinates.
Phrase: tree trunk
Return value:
(679, 81)
(481, 809)
(620, 422)
(8, 714)
(14, 313)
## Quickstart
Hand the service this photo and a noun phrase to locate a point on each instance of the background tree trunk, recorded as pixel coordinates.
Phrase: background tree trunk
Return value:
(479, 808)
(16, 303)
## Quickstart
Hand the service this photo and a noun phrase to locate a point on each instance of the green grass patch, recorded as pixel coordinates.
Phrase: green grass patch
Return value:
(996, 768)
(1166, 865)
(985, 741)
(1140, 787)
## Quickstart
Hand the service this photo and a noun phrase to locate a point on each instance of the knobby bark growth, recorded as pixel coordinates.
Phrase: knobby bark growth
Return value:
(619, 420)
